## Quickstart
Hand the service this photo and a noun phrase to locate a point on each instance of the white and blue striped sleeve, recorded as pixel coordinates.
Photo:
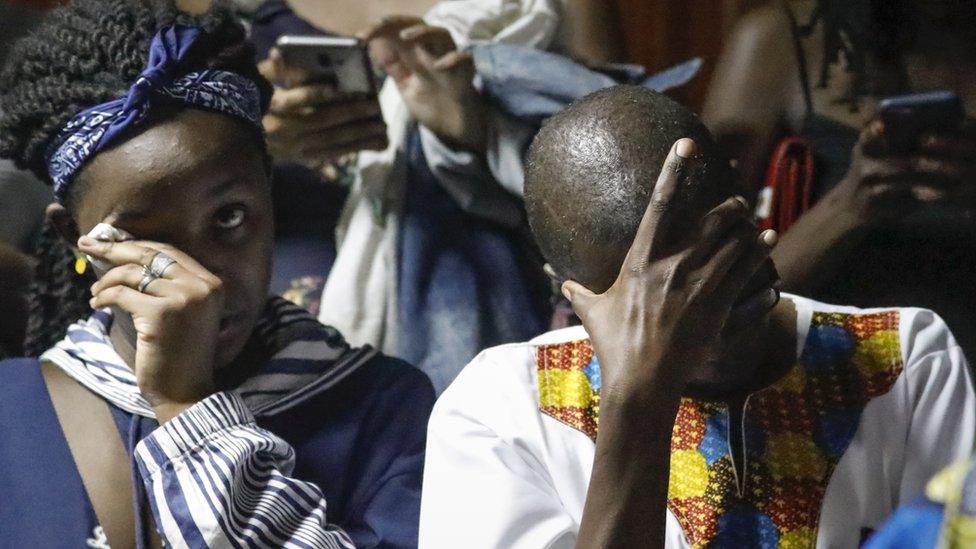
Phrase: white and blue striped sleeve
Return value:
(216, 479)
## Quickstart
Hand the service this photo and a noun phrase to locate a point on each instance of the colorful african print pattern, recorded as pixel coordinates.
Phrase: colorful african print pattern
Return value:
(795, 432)
(569, 384)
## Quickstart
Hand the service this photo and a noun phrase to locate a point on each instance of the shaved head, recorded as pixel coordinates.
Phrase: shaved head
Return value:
(591, 170)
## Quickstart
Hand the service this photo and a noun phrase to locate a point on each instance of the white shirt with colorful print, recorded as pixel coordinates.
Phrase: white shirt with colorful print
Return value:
(878, 402)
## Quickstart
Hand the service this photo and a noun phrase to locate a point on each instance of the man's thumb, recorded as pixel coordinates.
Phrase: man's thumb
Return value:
(578, 295)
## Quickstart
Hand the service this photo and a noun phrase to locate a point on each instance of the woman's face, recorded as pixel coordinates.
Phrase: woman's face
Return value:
(198, 182)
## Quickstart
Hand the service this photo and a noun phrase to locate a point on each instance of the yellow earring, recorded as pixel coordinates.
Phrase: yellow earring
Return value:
(81, 263)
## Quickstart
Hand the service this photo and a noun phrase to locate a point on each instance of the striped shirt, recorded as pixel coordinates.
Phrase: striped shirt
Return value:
(213, 477)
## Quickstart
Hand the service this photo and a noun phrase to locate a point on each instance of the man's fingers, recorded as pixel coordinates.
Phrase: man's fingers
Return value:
(751, 308)
(653, 225)
(742, 269)
(268, 70)
(280, 73)
(340, 114)
(936, 169)
(716, 224)
(873, 141)
(716, 268)
(579, 296)
(914, 178)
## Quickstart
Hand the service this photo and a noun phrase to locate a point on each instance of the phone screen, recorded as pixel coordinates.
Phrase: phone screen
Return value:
(907, 117)
(342, 63)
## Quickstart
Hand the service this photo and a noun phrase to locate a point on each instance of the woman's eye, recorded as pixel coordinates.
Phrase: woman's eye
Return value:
(229, 217)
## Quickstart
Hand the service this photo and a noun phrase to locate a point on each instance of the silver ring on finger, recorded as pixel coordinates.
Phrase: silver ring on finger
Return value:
(147, 278)
(160, 262)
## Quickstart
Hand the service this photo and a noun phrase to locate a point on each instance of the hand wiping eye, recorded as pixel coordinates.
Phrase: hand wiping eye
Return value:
(104, 232)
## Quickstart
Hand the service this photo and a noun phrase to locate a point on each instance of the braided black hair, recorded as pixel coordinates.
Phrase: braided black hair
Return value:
(58, 294)
(85, 53)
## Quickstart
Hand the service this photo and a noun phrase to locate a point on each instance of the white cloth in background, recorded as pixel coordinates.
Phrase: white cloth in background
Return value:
(501, 474)
(360, 294)
(533, 23)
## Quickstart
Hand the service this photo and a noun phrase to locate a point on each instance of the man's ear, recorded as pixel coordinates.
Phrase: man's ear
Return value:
(59, 216)
(555, 281)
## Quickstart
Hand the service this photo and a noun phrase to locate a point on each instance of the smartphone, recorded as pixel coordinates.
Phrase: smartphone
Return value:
(907, 117)
(337, 61)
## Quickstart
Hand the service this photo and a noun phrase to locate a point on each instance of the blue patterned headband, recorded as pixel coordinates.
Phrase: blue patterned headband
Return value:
(94, 129)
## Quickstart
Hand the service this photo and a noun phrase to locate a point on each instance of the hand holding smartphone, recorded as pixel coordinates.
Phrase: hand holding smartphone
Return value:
(325, 104)
(906, 118)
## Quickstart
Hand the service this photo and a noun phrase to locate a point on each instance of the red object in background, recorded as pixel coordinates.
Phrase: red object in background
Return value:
(788, 187)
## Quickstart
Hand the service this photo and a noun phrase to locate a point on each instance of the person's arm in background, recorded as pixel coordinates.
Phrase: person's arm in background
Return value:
(880, 187)
(434, 78)
(456, 123)
(591, 30)
(755, 91)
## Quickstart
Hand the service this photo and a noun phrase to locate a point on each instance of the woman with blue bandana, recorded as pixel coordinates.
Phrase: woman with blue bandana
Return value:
(186, 408)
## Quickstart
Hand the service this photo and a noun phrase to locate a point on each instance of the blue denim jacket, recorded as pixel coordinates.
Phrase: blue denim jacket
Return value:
(531, 84)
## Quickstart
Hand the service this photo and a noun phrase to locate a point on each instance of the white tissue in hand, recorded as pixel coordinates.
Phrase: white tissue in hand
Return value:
(104, 232)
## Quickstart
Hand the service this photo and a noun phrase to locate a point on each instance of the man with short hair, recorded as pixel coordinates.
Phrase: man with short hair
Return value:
(693, 407)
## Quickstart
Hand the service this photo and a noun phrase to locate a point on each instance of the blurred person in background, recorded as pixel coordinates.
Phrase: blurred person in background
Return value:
(434, 262)
(887, 227)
